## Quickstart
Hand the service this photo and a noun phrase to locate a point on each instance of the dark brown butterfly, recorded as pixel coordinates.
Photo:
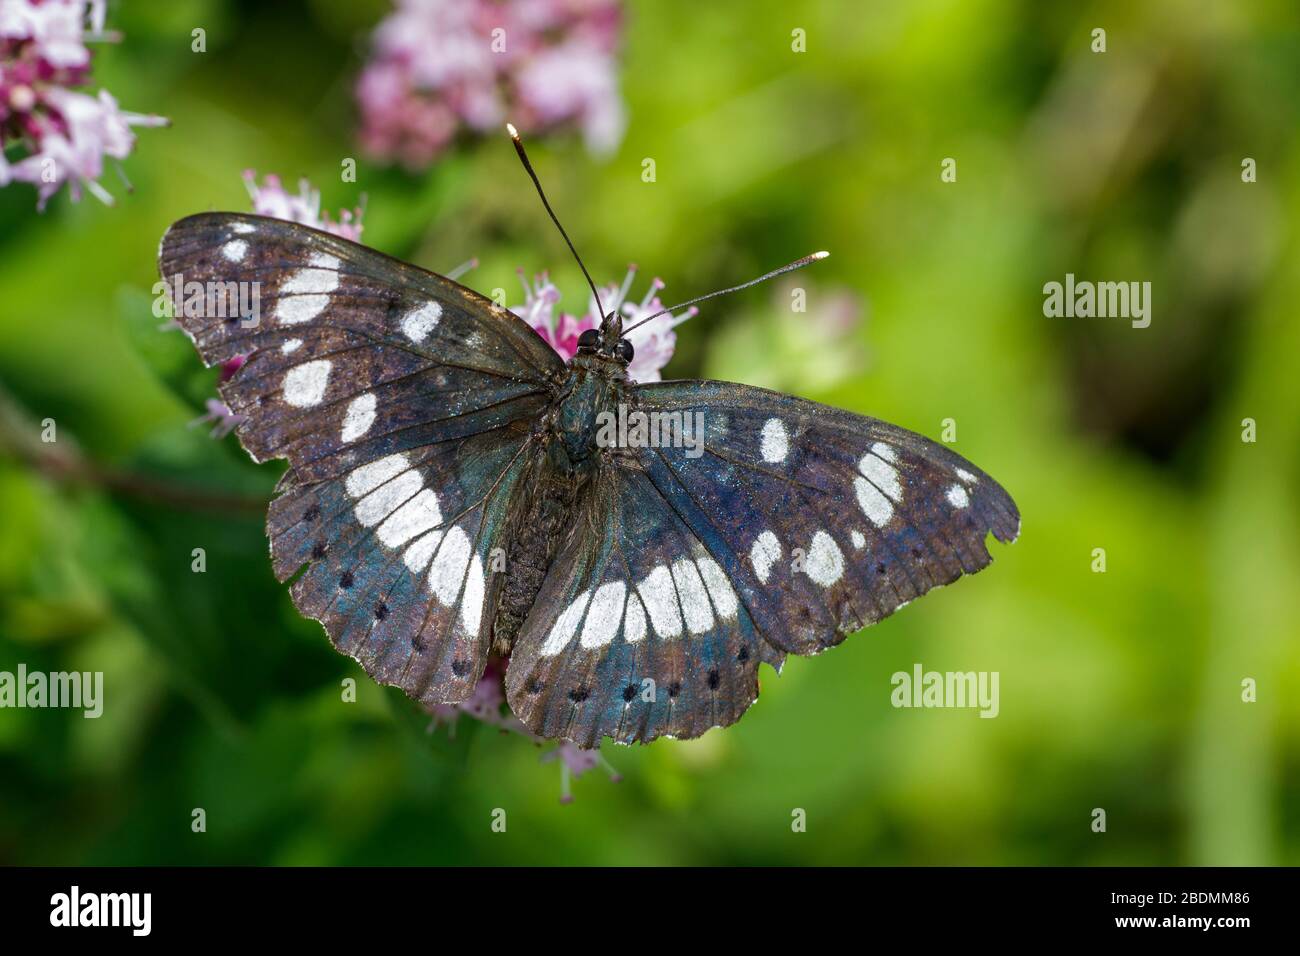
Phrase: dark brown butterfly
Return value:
(450, 497)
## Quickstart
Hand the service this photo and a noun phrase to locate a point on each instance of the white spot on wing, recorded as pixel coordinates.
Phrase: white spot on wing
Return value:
(413, 518)
(300, 308)
(695, 600)
(448, 571)
(311, 281)
(304, 295)
(359, 417)
(660, 599)
(957, 497)
(881, 450)
(324, 260)
(634, 622)
(882, 474)
(565, 626)
(471, 602)
(242, 228)
(825, 562)
(765, 552)
(776, 443)
(291, 345)
(370, 476)
(418, 555)
(387, 498)
(873, 504)
(859, 541)
(304, 385)
(420, 321)
(604, 615)
(235, 250)
(724, 598)
(966, 476)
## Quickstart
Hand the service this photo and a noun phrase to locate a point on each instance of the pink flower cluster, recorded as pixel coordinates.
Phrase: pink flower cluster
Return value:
(64, 133)
(487, 704)
(271, 199)
(440, 65)
(653, 343)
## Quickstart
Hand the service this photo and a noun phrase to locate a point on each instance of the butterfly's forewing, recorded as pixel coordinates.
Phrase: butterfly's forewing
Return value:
(818, 522)
(403, 403)
(836, 519)
(355, 355)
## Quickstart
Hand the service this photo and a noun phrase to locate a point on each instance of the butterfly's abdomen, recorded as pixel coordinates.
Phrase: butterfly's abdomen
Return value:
(539, 524)
(545, 516)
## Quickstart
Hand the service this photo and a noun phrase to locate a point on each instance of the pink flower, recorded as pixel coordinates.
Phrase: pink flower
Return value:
(231, 366)
(271, 199)
(653, 343)
(575, 761)
(65, 133)
(575, 80)
(55, 28)
(443, 65)
(223, 420)
(538, 308)
(487, 704)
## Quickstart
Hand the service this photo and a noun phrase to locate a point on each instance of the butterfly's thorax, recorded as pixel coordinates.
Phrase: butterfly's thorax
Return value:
(594, 385)
(545, 513)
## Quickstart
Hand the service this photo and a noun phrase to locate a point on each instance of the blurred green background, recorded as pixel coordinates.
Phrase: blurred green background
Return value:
(1119, 690)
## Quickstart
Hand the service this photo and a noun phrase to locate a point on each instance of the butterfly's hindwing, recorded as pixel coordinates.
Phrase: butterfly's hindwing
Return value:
(636, 633)
(399, 557)
(403, 403)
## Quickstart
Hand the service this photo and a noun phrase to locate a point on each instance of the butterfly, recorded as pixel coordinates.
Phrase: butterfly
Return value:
(449, 498)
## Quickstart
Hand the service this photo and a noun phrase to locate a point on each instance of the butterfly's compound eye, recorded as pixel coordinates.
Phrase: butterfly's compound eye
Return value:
(589, 339)
(625, 350)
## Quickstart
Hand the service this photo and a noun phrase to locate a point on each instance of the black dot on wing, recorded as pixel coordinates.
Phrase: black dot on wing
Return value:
(345, 580)
(318, 550)
(629, 692)
(312, 513)
(460, 667)
(533, 687)
(674, 688)
(743, 655)
(578, 695)
(417, 645)
(880, 567)
(381, 611)
(714, 679)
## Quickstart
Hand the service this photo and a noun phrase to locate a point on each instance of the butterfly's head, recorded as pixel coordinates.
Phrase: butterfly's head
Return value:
(607, 340)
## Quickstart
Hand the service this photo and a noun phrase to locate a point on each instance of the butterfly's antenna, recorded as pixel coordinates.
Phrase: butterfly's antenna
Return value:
(797, 264)
(523, 158)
